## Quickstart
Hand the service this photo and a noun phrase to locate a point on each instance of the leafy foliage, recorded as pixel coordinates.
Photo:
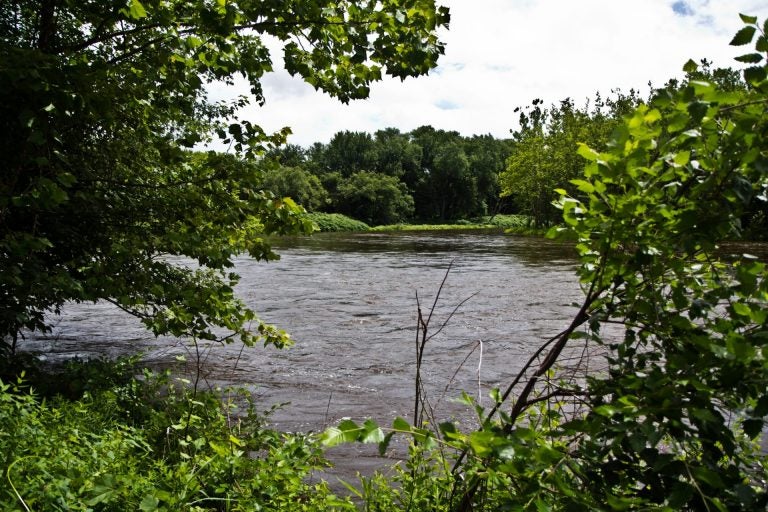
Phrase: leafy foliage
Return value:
(669, 414)
(448, 177)
(99, 103)
(544, 156)
(128, 447)
(374, 198)
(299, 185)
(337, 222)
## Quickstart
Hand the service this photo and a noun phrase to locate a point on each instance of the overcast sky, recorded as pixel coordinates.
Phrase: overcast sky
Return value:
(502, 54)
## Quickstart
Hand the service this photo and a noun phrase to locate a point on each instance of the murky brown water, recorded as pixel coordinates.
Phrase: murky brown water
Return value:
(350, 303)
(349, 300)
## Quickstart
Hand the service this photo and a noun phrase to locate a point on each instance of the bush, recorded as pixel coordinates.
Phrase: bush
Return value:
(327, 222)
(505, 221)
(128, 447)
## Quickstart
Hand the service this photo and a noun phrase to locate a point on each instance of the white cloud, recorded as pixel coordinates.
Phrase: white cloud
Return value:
(504, 53)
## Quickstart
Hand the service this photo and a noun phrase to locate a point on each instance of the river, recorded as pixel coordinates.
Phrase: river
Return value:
(350, 303)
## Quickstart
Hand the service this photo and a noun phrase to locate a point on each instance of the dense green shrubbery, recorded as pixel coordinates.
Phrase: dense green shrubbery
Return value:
(654, 396)
(506, 221)
(327, 222)
(150, 444)
(496, 221)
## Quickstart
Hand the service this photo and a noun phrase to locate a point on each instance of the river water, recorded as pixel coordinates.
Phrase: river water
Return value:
(350, 303)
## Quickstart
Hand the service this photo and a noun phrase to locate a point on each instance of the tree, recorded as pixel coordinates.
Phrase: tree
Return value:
(454, 191)
(443, 175)
(288, 155)
(299, 185)
(99, 101)
(374, 198)
(396, 154)
(487, 157)
(543, 157)
(349, 152)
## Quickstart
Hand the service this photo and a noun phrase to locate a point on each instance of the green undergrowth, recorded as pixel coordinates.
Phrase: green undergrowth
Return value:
(151, 444)
(330, 222)
(335, 222)
(497, 221)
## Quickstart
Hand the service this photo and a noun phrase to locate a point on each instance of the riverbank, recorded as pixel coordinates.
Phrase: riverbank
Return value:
(515, 224)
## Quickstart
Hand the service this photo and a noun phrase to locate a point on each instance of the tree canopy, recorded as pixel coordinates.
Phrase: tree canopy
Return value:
(100, 103)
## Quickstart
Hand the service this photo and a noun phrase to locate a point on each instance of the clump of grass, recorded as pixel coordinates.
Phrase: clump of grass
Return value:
(327, 222)
(506, 222)
(330, 222)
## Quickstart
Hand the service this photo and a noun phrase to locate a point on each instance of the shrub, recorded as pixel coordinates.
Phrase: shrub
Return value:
(328, 222)
(128, 447)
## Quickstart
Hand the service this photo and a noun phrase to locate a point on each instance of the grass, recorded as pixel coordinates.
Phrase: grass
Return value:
(328, 222)
(337, 222)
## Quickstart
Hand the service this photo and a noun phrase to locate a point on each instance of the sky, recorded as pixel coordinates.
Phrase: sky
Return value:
(502, 54)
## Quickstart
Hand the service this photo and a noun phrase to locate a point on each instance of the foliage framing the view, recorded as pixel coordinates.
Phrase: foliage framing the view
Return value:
(100, 102)
(124, 444)
(669, 414)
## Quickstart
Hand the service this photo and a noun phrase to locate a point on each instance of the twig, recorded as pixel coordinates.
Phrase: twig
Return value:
(479, 368)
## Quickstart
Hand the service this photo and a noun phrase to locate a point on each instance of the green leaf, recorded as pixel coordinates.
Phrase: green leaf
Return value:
(401, 425)
(690, 66)
(384, 444)
(750, 58)
(481, 442)
(742, 309)
(708, 476)
(753, 427)
(584, 186)
(587, 152)
(743, 36)
(754, 75)
(136, 10)
(372, 433)
(346, 432)
(682, 158)
(762, 44)
(607, 411)
(149, 503)
(751, 20)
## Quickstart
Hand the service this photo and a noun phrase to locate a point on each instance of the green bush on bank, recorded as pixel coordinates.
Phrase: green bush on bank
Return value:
(334, 222)
(152, 444)
(496, 221)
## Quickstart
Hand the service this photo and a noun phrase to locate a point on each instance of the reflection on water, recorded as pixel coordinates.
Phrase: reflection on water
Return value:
(531, 251)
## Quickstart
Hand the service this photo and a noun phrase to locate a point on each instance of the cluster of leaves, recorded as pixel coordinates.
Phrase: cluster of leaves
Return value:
(507, 222)
(671, 416)
(543, 158)
(337, 222)
(150, 444)
(100, 102)
(391, 177)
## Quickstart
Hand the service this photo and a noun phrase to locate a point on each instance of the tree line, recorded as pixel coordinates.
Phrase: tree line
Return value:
(434, 175)
(391, 176)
